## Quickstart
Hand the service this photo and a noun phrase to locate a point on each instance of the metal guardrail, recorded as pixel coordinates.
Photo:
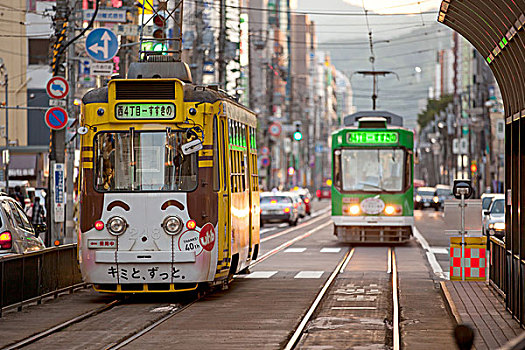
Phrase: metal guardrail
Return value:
(497, 272)
(33, 276)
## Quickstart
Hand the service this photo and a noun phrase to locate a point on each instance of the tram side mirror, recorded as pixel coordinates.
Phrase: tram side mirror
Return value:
(82, 130)
(462, 187)
(191, 147)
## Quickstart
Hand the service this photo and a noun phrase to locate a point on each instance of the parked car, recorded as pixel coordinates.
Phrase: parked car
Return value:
(298, 202)
(424, 197)
(307, 198)
(17, 235)
(494, 217)
(443, 193)
(325, 192)
(278, 207)
(486, 199)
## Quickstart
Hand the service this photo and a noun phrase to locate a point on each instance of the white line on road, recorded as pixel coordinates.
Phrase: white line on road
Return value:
(261, 274)
(294, 250)
(330, 250)
(439, 250)
(438, 271)
(309, 274)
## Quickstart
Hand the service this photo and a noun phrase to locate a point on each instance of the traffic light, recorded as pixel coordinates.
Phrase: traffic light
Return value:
(159, 33)
(297, 135)
(473, 166)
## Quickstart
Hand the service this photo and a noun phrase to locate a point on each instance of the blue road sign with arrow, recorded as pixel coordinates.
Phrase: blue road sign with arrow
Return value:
(101, 44)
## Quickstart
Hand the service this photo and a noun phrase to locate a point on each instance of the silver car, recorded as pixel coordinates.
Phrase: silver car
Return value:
(17, 235)
(279, 207)
(494, 217)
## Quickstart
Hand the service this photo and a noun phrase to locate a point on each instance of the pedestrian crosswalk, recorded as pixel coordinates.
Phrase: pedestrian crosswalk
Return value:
(283, 274)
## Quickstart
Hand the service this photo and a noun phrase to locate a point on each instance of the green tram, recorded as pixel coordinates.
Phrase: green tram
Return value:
(372, 172)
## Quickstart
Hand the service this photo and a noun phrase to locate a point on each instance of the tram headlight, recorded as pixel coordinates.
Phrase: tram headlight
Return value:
(389, 210)
(172, 225)
(355, 209)
(116, 225)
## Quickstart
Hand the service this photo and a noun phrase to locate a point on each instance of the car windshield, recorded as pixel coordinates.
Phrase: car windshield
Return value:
(443, 192)
(485, 204)
(155, 164)
(498, 207)
(425, 193)
(372, 170)
(276, 200)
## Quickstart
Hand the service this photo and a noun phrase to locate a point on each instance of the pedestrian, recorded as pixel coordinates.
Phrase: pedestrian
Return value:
(19, 197)
(38, 217)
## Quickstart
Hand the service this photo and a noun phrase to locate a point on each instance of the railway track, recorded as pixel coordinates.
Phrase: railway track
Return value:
(300, 331)
(122, 303)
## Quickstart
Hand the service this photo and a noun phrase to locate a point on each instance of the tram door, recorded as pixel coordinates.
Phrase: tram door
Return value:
(225, 205)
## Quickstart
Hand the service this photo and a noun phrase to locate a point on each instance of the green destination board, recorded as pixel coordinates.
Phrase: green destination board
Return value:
(145, 111)
(372, 137)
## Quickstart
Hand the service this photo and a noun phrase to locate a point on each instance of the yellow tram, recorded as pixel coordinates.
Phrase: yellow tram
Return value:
(169, 184)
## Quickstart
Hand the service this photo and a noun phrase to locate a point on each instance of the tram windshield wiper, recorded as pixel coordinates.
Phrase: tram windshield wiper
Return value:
(372, 185)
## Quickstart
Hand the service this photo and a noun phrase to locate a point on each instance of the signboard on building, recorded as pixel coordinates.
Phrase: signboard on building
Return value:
(59, 200)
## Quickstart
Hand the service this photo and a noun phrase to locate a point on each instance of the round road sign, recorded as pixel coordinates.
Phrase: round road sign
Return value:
(101, 44)
(275, 129)
(265, 161)
(57, 87)
(56, 118)
(265, 151)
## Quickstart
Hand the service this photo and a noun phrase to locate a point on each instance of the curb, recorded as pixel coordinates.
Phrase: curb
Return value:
(449, 303)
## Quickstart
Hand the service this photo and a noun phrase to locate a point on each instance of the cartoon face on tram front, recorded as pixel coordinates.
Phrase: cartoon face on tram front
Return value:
(148, 214)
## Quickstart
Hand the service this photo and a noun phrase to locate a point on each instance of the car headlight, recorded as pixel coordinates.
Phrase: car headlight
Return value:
(500, 226)
(418, 198)
(491, 226)
(116, 225)
(435, 199)
(172, 225)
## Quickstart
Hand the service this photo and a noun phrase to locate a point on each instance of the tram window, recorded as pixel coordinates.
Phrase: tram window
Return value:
(157, 163)
(408, 171)
(337, 168)
(373, 170)
(216, 185)
(224, 163)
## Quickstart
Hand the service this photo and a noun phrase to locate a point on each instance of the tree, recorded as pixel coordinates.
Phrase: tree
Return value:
(434, 106)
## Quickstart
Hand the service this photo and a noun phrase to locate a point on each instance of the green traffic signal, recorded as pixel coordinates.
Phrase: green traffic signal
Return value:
(297, 136)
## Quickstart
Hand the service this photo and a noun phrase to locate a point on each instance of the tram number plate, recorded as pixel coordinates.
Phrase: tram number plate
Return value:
(145, 111)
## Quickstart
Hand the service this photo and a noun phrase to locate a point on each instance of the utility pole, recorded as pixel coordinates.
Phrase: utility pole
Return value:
(58, 137)
(222, 45)
(197, 59)
(7, 156)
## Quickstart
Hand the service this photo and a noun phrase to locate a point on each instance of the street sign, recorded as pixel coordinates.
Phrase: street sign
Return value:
(56, 118)
(500, 129)
(132, 30)
(265, 151)
(101, 44)
(59, 200)
(275, 129)
(463, 146)
(265, 161)
(57, 87)
(98, 68)
(106, 15)
(455, 146)
(54, 102)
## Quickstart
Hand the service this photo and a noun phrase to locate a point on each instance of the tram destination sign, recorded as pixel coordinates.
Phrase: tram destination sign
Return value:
(137, 111)
(372, 137)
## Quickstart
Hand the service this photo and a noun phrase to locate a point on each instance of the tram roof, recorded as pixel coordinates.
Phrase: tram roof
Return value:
(391, 118)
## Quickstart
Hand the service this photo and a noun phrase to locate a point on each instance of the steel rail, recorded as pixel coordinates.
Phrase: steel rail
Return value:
(291, 229)
(395, 302)
(36, 337)
(287, 244)
(299, 330)
(163, 319)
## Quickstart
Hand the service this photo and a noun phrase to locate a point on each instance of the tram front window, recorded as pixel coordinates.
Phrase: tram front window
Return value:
(372, 170)
(156, 164)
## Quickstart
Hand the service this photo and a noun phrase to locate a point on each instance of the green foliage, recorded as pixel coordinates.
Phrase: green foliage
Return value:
(433, 107)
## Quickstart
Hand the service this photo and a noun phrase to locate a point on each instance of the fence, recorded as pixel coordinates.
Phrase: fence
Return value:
(507, 275)
(30, 277)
